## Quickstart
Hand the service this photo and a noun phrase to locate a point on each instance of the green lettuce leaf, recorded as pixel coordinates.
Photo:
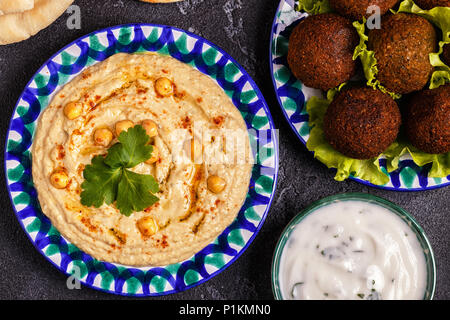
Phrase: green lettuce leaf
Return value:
(440, 163)
(368, 170)
(313, 6)
(440, 17)
(368, 60)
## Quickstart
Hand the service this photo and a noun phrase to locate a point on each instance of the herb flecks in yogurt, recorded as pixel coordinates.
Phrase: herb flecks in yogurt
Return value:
(356, 254)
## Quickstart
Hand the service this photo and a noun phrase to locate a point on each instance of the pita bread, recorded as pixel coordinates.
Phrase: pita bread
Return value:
(16, 27)
(15, 6)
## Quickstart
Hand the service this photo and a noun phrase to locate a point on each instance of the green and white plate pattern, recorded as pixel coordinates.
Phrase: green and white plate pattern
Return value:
(205, 57)
(292, 96)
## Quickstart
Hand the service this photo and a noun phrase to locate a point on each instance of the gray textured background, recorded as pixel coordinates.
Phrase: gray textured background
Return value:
(242, 28)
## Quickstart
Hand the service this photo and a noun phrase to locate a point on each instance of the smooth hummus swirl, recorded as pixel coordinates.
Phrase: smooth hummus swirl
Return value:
(201, 191)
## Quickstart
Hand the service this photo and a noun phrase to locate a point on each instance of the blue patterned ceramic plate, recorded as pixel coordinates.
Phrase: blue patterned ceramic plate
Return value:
(292, 96)
(203, 56)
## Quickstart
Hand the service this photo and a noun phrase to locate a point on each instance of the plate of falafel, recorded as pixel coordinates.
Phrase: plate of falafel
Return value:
(365, 85)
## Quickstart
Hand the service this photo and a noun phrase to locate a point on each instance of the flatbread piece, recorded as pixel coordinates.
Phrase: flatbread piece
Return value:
(15, 6)
(16, 27)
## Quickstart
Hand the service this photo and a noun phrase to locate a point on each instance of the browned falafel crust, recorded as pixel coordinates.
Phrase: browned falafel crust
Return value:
(357, 9)
(445, 55)
(402, 47)
(321, 50)
(427, 120)
(362, 122)
(430, 4)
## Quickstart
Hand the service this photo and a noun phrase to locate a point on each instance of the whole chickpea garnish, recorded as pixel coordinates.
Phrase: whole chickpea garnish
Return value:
(103, 137)
(150, 127)
(164, 86)
(73, 110)
(123, 125)
(147, 226)
(59, 179)
(216, 184)
(155, 156)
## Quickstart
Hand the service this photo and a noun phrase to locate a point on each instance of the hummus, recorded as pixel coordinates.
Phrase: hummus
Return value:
(188, 215)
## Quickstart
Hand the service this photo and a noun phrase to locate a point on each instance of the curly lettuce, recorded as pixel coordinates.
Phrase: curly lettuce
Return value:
(368, 60)
(370, 169)
(440, 17)
(313, 6)
(440, 163)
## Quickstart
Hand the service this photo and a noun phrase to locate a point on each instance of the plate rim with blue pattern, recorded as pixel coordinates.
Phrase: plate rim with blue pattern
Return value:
(64, 254)
(299, 117)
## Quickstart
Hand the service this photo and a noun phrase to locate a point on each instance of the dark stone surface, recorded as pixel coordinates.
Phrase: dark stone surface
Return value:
(242, 28)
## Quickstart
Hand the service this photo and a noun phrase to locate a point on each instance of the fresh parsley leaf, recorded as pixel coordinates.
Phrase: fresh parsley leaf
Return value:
(131, 149)
(107, 179)
(100, 184)
(133, 192)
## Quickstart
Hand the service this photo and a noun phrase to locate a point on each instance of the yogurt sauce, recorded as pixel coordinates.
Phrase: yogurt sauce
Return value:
(352, 250)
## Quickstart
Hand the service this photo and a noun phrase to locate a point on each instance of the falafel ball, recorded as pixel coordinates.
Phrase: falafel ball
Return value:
(427, 120)
(362, 122)
(445, 55)
(321, 49)
(356, 10)
(402, 47)
(430, 4)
